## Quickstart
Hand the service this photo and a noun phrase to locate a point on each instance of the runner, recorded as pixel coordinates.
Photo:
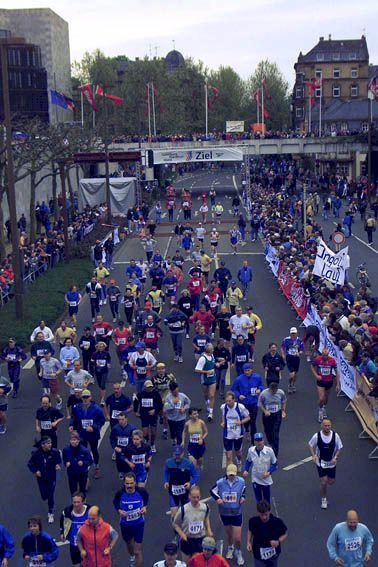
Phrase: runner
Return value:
(245, 277)
(68, 355)
(170, 557)
(50, 369)
(291, 349)
(218, 210)
(13, 356)
(102, 364)
(38, 546)
(5, 390)
(214, 239)
(223, 321)
(131, 504)
(170, 285)
(273, 364)
(205, 267)
(209, 556)
(180, 475)
(263, 462)
(119, 439)
(222, 359)
(206, 367)
(234, 417)
(186, 306)
(102, 273)
(95, 529)
(265, 535)
(71, 519)
(37, 351)
(176, 406)
(138, 457)
(102, 330)
(87, 345)
(192, 523)
(94, 291)
(350, 543)
(272, 402)
(115, 404)
(114, 294)
(7, 546)
(77, 459)
(44, 464)
(176, 321)
(229, 494)
(233, 296)
(161, 381)
(204, 317)
(196, 431)
(195, 288)
(247, 388)
(78, 378)
(324, 368)
(47, 420)
(64, 332)
(120, 337)
(325, 447)
(151, 333)
(129, 305)
(240, 354)
(141, 361)
(234, 238)
(147, 405)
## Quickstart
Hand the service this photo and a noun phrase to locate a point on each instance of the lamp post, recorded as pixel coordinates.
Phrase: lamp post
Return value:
(4, 42)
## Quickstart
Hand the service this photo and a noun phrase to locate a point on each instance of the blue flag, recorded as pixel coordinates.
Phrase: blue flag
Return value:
(61, 99)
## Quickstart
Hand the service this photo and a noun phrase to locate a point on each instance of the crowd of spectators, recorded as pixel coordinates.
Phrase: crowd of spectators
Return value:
(47, 250)
(349, 314)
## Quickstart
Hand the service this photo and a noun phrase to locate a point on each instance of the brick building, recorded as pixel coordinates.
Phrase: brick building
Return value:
(340, 69)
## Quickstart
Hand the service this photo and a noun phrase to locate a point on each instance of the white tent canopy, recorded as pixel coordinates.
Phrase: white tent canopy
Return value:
(92, 192)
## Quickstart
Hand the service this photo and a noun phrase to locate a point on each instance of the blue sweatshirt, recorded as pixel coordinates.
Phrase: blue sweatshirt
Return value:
(240, 354)
(231, 493)
(350, 545)
(75, 454)
(42, 544)
(180, 472)
(245, 274)
(6, 544)
(247, 386)
(45, 462)
(82, 418)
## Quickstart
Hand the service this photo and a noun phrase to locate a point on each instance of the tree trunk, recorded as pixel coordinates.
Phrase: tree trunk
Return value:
(54, 193)
(3, 251)
(33, 176)
(71, 192)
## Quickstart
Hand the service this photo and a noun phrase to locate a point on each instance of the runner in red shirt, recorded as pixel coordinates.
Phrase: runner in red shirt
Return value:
(102, 331)
(120, 338)
(206, 318)
(151, 333)
(324, 368)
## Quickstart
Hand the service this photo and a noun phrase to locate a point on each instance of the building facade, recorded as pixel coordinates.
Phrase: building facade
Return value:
(339, 70)
(44, 28)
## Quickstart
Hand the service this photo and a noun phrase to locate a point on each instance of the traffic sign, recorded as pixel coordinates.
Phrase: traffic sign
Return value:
(338, 238)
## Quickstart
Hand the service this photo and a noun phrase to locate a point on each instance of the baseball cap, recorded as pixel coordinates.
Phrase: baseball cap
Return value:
(293, 330)
(170, 548)
(160, 365)
(232, 469)
(209, 543)
(178, 450)
(140, 344)
(86, 393)
(247, 365)
(148, 384)
(148, 304)
(258, 436)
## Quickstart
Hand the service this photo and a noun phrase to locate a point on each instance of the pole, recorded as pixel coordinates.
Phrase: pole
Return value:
(370, 112)
(153, 107)
(62, 173)
(149, 110)
(304, 211)
(206, 110)
(16, 265)
(82, 109)
(93, 113)
(309, 111)
(107, 181)
(320, 105)
(257, 106)
(56, 106)
(262, 111)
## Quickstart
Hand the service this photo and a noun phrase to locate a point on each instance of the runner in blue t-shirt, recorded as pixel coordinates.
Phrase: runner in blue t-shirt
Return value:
(291, 348)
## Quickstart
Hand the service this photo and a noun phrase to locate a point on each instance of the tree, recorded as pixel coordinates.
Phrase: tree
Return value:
(278, 105)
(229, 103)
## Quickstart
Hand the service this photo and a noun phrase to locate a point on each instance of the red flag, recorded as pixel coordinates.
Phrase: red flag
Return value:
(88, 93)
(99, 91)
(214, 95)
(263, 84)
(256, 96)
(373, 88)
(116, 99)
(311, 89)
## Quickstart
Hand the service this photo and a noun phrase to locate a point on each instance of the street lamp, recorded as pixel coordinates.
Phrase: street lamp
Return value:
(4, 43)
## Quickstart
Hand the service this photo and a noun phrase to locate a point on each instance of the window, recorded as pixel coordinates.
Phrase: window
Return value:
(299, 112)
(318, 92)
(299, 92)
(336, 73)
(354, 90)
(352, 56)
(320, 56)
(364, 126)
(342, 168)
(344, 126)
(354, 73)
(336, 56)
(318, 73)
(336, 91)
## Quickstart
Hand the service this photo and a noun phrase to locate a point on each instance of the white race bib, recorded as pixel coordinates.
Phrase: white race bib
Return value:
(353, 543)
(113, 298)
(327, 465)
(33, 562)
(122, 341)
(72, 303)
(273, 408)
(141, 370)
(86, 423)
(253, 391)
(229, 497)
(178, 489)
(122, 441)
(133, 515)
(267, 553)
(46, 425)
(100, 362)
(194, 437)
(100, 331)
(195, 528)
(147, 403)
(86, 345)
(138, 459)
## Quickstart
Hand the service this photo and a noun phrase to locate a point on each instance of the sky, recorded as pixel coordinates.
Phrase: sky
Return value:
(239, 33)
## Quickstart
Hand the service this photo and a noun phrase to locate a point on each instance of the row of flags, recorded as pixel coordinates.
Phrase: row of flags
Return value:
(260, 94)
(64, 101)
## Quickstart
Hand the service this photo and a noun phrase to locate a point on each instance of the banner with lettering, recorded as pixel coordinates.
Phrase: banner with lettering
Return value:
(331, 265)
(293, 291)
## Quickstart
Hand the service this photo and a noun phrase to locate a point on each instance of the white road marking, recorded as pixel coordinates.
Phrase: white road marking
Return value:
(204, 500)
(244, 253)
(297, 464)
(104, 429)
(220, 547)
(60, 543)
(362, 241)
(227, 379)
(28, 365)
(164, 215)
(274, 506)
(224, 460)
(123, 383)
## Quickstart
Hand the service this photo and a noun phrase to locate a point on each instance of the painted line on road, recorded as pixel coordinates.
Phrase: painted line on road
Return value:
(227, 379)
(244, 253)
(29, 364)
(204, 500)
(220, 547)
(362, 241)
(104, 429)
(224, 460)
(60, 543)
(274, 506)
(297, 464)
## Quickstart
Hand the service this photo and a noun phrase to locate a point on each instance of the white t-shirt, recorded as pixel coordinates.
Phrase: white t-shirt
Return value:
(237, 325)
(326, 439)
(200, 232)
(151, 360)
(233, 431)
(261, 462)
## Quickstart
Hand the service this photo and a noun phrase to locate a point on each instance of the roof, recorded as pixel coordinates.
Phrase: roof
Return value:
(343, 111)
(373, 71)
(336, 50)
(174, 59)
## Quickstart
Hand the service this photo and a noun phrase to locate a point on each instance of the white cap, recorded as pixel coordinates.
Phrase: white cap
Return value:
(293, 330)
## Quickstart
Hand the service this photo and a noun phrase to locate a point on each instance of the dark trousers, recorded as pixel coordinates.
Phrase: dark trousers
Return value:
(47, 489)
(272, 424)
(78, 482)
(261, 491)
(196, 301)
(114, 307)
(177, 343)
(95, 307)
(14, 375)
(370, 235)
(129, 315)
(87, 364)
(93, 444)
(175, 430)
(251, 425)
(149, 254)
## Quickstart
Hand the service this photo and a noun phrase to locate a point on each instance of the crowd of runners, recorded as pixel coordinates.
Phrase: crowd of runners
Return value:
(203, 307)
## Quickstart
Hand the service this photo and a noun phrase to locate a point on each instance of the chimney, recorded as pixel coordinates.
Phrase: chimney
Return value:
(329, 37)
(321, 38)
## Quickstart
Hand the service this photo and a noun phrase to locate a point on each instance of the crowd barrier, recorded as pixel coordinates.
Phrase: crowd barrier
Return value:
(353, 385)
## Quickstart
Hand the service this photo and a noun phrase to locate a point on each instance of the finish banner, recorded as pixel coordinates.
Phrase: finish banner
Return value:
(197, 154)
(235, 126)
(330, 265)
(293, 291)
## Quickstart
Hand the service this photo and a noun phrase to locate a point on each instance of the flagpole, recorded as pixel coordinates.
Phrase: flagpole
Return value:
(56, 106)
(262, 111)
(153, 107)
(149, 109)
(320, 104)
(257, 106)
(93, 112)
(309, 110)
(82, 109)
(206, 110)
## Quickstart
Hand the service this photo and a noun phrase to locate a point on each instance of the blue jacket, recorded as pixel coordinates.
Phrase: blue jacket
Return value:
(45, 462)
(240, 354)
(6, 543)
(94, 414)
(134, 269)
(42, 544)
(120, 436)
(231, 493)
(245, 274)
(75, 454)
(247, 386)
(180, 472)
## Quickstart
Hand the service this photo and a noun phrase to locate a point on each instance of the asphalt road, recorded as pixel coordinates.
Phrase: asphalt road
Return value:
(295, 491)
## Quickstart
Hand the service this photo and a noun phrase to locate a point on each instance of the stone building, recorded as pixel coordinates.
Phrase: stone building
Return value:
(43, 27)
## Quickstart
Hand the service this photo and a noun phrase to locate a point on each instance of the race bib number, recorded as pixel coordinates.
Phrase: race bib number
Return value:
(325, 370)
(186, 305)
(150, 335)
(210, 373)
(147, 403)
(115, 413)
(293, 351)
(267, 553)
(100, 363)
(353, 543)
(46, 425)
(274, 408)
(253, 391)
(86, 345)
(93, 295)
(33, 562)
(113, 298)
(327, 465)
(178, 489)
(141, 370)
(122, 441)
(194, 437)
(133, 515)
(138, 459)
(72, 303)
(229, 497)
(195, 528)
(241, 358)
(11, 357)
(195, 284)
(100, 331)
(122, 341)
(128, 304)
(40, 352)
(213, 303)
(86, 423)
